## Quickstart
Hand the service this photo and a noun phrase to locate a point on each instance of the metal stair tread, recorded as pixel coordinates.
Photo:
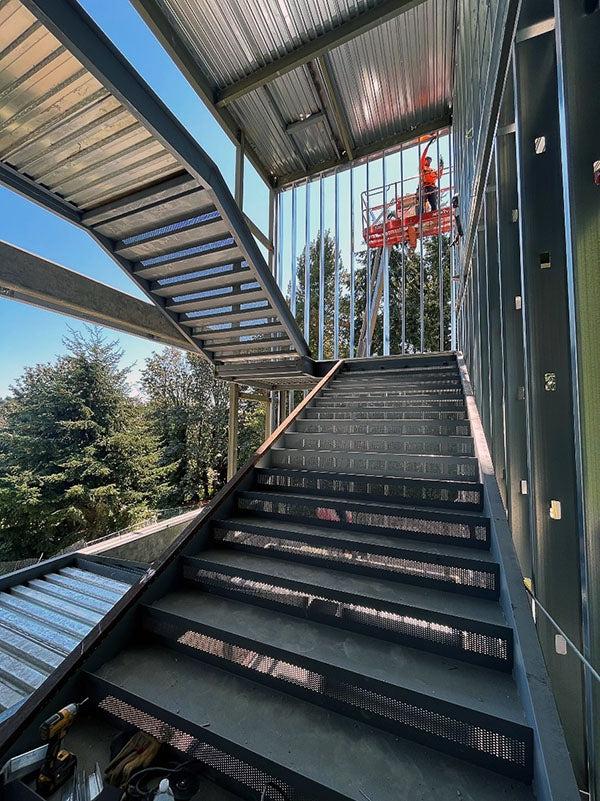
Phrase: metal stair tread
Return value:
(368, 588)
(437, 456)
(378, 507)
(483, 689)
(345, 537)
(298, 735)
(383, 437)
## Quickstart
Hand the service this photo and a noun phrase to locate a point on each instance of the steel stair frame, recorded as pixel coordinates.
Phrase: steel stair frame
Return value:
(70, 24)
(119, 620)
(551, 780)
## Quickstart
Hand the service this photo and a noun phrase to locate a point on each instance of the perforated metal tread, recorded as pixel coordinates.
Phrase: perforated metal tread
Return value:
(313, 413)
(358, 539)
(275, 728)
(440, 428)
(374, 589)
(399, 521)
(487, 691)
(394, 444)
(385, 609)
(394, 465)
(407, 402)
(378, 489)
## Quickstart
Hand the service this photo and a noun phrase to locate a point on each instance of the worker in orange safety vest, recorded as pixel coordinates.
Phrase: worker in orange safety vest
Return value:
(428, 190)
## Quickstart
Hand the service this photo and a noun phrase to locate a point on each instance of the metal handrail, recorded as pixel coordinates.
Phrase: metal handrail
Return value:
(588, 665)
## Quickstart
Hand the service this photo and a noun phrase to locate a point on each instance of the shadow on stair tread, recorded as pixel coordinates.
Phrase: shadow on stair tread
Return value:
(338, 756)
(482, 689)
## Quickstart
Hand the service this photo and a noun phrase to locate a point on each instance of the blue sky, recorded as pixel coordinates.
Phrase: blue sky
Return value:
(29, 335)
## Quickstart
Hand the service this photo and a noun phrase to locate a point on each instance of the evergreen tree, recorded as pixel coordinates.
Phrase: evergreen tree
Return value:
(76, 458)
(314, 284)
(189, 409)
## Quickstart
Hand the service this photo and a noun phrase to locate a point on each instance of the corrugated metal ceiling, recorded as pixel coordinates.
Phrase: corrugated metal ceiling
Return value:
(393, 79)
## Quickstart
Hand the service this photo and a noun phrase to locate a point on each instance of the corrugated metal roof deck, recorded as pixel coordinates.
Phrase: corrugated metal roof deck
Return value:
(390, 80)
(82, 134)
(45, 612)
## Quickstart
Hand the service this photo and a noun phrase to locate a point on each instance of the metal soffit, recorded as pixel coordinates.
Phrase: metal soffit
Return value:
(389, 81)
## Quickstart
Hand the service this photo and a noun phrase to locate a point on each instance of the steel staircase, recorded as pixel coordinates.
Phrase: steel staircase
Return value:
(339, 622)
(82, 135)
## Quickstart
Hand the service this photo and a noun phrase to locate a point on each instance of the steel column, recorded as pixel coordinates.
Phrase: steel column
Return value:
(352, 269)
(321, 322)
(307, 266)
(232, 432)
(336, 270)
(494, 315)
(515, 408)
(386, 274)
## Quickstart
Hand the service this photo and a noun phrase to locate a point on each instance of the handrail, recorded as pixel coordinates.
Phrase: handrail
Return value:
(12, 728)
(588, 665)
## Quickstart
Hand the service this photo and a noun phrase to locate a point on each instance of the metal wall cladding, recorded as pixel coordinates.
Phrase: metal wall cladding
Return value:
(388, 80)
(59, 126)
(477, 63)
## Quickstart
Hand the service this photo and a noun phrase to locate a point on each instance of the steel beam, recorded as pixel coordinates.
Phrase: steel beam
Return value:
(338, 112)
(301, 125)
(24, 186)
(552, 458)
(365, 151)
(66, 20)
(30, 279)
(361, 23)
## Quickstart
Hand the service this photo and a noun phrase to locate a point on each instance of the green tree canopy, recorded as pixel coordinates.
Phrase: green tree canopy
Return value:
(76, 457)
(188, 407)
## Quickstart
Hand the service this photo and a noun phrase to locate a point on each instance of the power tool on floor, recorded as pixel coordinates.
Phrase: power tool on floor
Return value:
(59, 764)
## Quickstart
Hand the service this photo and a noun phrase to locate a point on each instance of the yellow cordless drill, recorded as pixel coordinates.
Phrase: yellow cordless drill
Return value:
(59, 764)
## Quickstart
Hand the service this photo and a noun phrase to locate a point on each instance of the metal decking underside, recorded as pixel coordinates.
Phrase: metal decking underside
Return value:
(45, 612)
(336, 627)
(81, 134)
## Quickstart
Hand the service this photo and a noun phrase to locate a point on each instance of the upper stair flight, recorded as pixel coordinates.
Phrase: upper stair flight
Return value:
(84, 136)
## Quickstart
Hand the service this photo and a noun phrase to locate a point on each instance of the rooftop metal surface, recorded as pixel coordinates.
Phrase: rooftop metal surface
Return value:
(366, 91)
(83, 135)
(45, 612)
